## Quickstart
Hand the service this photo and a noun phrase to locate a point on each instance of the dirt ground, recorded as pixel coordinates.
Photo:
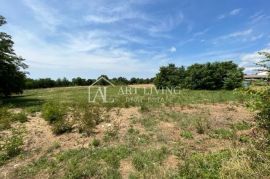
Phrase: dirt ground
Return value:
(40, 140)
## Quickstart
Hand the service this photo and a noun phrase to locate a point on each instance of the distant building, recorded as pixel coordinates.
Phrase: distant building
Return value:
(249, 79)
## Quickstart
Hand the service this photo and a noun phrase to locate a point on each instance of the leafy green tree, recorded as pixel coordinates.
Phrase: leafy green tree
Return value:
(233, 79)
(12, 77)
(170, 76)
(211, 76)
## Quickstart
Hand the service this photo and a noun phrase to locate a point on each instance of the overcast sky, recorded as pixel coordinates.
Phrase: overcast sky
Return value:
(87, 38)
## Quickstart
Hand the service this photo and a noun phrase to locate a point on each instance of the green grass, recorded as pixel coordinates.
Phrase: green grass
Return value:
(148, 160)
(80, 163)
(203, 165)
(241, 126)
(222, 133)
(31, 99)
(187, 134)
(11, 146)
(142, 143)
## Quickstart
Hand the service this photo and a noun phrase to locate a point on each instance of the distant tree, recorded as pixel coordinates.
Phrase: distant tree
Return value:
(170, 76)
(122, 81)
(12, 78)
(133, 81)
(79, 81)
(209, 76)
(103, 82)
(265, 63)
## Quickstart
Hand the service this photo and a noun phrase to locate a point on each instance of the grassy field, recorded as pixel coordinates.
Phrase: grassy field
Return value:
(79, 95)
(56, 133)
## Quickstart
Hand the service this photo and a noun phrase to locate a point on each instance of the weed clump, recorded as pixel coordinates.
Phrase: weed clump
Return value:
(54, 113)
(203, 165)
(5, 119)
(20, 117)
(222, 133)
(187, 134)
(88, 117)
(148, 160)
(11, 146)
(61, 126)
(96, 142)
(202, 125)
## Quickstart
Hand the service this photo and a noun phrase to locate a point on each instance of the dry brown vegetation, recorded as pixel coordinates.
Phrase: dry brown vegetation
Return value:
(183, 130)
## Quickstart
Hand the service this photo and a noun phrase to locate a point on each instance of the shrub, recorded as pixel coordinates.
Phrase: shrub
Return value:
(53, 112)
(61, 126)
(11, 146)
(5, 119)
(88, 118)
(187, 134)
(111, 134)
(96, 142)
(21, 117)
(202, 125)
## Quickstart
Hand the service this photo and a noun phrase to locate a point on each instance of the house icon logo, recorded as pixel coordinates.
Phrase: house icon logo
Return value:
(96, 92)
(102, 79)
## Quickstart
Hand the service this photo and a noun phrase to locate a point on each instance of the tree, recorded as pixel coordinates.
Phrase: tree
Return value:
(102, 82)
(170, 76)
(12, 78)
(210, 76)
(265, 63)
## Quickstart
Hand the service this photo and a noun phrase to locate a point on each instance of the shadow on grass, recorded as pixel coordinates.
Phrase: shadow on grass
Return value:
(22, 101)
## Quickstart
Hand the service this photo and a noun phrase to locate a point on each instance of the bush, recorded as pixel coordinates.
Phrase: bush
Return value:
(53, 112)
(11, 146)
(61, 126)
(187, 134)
(96, 142)
(21, 117)
(5, 119)
(88, 118)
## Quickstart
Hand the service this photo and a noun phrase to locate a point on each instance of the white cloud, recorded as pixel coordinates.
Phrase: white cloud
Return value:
(101, 19)
(257, 37)
(249, 60)
(200, 32)
(258, 16)
(47, 16)
(239, 34)
(89, 51)
(244, 35)
(222, 16)
(167, 23)
(172, 49)
(234, 12)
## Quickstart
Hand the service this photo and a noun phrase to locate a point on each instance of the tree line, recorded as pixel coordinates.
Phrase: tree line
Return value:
(210, 76)
(64, 82)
